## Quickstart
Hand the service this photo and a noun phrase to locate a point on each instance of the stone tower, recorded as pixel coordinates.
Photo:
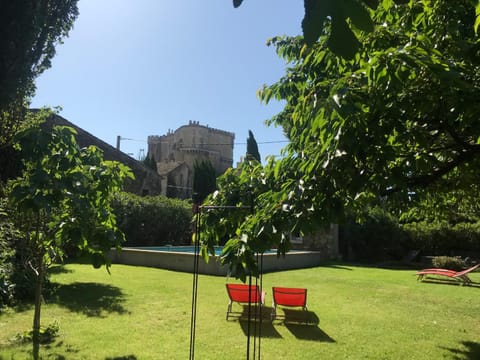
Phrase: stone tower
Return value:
(176, 152)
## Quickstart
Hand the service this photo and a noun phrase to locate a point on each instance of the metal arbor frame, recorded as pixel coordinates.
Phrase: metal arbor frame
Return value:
(257, 329)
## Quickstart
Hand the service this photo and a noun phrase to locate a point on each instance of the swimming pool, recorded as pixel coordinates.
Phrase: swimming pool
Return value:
(181, 258)
(182, 249)
(188, 249)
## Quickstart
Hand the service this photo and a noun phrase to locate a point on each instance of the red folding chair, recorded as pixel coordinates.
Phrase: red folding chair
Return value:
(244, 294)
(289, 297)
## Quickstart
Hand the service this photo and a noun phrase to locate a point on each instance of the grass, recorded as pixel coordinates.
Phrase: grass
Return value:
(144, 313)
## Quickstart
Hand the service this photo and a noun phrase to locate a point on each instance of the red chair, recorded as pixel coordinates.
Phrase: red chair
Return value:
(290, 297)
(244, 294)
(461, 276)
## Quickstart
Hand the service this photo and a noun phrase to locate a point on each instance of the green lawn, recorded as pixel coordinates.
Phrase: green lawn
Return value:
(144, 313)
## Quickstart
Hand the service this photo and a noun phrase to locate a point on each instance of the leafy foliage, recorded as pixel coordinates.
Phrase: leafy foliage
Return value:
(375, 236)
(66, 190)
(7, 253)
(243, 220)
(448, 262)
(10, 157)
(48, 334)
(442, 238)
(396, 120)
(29, 30)
(152, 220)
(63, 200)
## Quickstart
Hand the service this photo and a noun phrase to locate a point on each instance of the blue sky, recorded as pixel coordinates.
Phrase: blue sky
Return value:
(139, 68)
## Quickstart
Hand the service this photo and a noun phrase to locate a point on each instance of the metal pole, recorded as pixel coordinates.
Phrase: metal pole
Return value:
(193, 319)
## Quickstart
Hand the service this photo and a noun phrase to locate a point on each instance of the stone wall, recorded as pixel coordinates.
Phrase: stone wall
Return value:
(147, 181)
(324, 240)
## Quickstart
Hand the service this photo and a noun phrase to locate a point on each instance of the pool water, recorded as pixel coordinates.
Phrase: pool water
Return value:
(187, 249)
(183, 249)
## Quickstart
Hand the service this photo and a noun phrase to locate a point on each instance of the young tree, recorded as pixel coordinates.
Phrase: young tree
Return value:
(63, 199)
(252, 147)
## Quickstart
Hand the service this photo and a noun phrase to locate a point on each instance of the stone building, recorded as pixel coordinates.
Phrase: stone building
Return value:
(176, 152)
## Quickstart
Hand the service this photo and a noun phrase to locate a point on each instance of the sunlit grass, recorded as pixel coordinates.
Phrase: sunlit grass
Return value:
(360, 313)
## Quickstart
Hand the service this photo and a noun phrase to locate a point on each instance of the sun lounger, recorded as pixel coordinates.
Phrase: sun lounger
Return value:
(290, 297)
(244, 294)
(461, 276)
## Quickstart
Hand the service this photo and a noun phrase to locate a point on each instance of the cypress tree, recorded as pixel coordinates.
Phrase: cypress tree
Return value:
(252, 147)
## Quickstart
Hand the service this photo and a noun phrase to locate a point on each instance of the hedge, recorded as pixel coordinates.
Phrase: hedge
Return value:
(153, 220)
(441, 238)
(379, 236)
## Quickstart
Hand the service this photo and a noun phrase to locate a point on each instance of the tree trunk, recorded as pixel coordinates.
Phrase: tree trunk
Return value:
(38, 304)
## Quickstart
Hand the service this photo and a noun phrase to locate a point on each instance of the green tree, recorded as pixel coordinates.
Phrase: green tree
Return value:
(29, 32)
(150, 162)
(204, 179)
(63, 199)
(398, 121)
(252, 147)
(243, 220)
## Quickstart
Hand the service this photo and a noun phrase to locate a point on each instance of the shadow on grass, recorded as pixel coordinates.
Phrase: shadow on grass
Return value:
(471, 352)
(308, 332)
(59, 269)
(266, 330)
(265, 312)
(297, 317)
(126, 357)
(303, 325)
(91, 299)
(431, 280)
(337, 266)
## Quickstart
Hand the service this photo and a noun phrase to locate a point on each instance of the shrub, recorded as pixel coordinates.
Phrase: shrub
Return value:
(440, 238)
(448, 262)
(16, 279)
(47, 334)
(377, 237)
(6, 260)
(153, 220)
